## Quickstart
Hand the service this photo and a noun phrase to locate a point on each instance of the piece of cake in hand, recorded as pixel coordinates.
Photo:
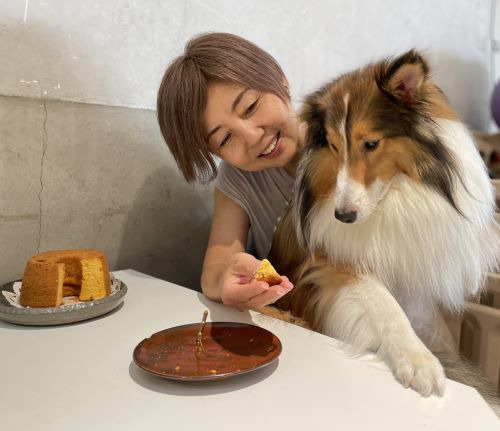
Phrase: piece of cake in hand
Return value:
(267, 273)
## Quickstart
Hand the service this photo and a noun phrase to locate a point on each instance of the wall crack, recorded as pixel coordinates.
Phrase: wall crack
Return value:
(44, 150)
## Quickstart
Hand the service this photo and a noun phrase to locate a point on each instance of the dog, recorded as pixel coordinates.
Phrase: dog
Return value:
(391, 221)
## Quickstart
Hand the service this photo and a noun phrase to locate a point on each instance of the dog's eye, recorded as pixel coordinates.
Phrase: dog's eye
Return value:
(371, 145)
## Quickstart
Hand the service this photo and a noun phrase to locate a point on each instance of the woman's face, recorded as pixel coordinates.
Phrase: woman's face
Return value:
(250, 129)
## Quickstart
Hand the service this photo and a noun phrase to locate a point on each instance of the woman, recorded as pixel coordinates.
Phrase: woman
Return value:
(228, 98)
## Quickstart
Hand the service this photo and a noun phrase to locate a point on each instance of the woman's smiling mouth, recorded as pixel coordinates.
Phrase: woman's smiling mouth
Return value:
(272, 148)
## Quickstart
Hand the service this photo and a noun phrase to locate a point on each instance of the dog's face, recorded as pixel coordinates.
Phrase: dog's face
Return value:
(367, 127)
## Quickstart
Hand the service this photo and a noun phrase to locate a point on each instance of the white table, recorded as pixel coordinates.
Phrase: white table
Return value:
(82, 377)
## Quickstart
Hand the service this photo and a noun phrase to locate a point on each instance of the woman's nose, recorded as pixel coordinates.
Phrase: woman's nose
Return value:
(253, 134)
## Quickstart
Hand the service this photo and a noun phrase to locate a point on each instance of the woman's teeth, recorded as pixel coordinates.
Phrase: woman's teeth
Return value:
(271, 147)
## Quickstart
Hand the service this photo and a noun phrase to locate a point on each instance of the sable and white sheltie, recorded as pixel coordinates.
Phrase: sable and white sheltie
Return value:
(392, 219)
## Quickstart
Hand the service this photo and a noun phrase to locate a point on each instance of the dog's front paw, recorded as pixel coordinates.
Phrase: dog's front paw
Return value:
(419, 369)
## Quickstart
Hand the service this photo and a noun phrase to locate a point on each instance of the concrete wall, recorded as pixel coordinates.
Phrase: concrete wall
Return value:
(83, 175)
(82, 163)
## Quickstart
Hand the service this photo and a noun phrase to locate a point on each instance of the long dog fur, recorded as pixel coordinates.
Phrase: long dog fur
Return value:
(392, 218)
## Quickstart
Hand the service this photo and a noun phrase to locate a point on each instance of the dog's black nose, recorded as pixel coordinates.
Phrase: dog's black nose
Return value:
(346, 217)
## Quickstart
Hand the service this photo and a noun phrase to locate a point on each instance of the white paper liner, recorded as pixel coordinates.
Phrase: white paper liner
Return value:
(13, 297)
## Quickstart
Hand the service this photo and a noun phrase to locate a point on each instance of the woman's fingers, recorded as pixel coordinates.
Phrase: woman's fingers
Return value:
(243, 291)
(271, 295)
(244, 264)
(240, 293)
(285, 283)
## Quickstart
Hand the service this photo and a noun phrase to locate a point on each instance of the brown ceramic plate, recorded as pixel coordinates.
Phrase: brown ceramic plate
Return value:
(230, 349)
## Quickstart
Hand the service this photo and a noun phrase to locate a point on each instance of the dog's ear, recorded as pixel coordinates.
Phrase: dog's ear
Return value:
(313, 114)
(303, 203)
(402, 78)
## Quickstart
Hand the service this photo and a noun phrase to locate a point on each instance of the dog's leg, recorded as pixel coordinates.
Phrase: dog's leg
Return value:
(366, 315)
(430, 326)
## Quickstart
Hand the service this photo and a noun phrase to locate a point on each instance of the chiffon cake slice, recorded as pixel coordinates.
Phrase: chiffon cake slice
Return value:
(50, 276)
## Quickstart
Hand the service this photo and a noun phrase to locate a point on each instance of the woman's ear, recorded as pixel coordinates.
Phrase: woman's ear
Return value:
(403, 77)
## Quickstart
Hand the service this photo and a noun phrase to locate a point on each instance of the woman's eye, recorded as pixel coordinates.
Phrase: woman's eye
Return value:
(225, 140)
(251, 108)
(371, 145)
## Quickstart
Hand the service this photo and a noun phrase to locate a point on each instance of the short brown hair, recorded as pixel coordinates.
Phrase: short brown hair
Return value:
(211, 57)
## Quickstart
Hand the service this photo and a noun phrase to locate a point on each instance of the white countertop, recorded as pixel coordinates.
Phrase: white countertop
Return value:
(81, 377)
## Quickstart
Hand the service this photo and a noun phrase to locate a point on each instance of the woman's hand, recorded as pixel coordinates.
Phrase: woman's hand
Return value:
(241, 290)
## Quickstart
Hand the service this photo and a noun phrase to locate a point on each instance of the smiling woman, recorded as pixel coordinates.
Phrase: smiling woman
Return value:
(228, 98)
(182, 98)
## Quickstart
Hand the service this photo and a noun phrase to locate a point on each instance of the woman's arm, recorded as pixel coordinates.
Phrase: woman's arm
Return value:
(228, 236)
(228, 272)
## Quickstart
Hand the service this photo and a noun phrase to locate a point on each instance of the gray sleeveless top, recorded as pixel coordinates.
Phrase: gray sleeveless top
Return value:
(264, 196)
